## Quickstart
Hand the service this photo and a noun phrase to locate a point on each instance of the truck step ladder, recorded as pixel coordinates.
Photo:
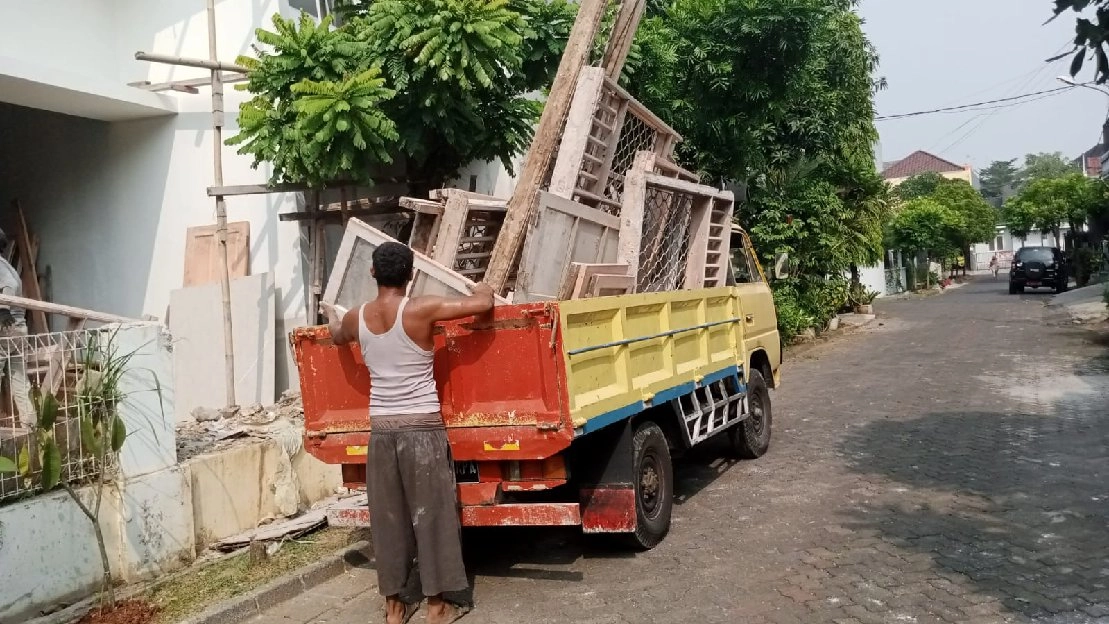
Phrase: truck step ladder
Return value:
(711, 408)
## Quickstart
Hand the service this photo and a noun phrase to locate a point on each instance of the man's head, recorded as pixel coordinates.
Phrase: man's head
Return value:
(392, 265)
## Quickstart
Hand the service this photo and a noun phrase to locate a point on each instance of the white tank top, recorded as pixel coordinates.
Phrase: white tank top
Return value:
(401, 376)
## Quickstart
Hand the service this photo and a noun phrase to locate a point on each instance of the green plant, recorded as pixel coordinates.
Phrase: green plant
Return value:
(431, 84)
(792, 317)
(859, 295)
(102, 433)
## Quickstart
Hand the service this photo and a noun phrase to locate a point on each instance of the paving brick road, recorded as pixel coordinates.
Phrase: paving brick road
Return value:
(950, 465)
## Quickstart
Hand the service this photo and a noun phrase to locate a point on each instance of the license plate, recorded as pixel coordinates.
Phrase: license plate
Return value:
(465, 472)
(1033, 283)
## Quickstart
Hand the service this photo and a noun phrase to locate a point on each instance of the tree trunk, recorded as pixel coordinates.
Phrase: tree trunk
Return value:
(854, 276)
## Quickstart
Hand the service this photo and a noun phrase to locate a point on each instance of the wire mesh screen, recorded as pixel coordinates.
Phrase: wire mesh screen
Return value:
(53, 363)
(664, 248)
(475, 247)
(635, 136)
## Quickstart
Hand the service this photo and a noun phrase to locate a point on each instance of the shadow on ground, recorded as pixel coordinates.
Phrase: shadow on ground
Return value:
(1018, 503)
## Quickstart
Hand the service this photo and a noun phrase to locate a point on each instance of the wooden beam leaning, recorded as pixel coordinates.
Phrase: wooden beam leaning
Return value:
(537, 164)
(64, 310)
(623, 34)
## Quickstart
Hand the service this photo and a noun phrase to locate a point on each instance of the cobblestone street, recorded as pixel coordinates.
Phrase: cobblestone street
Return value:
(948, 465)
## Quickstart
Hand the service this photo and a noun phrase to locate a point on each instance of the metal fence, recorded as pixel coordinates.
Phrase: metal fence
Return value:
(54, 363)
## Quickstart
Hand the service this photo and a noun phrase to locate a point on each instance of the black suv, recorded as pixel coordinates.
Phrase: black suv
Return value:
(1038, 267)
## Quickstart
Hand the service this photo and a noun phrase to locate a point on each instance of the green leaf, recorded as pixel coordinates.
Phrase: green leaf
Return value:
(119, 434)
(90, 438)
(24, 461)
(51, 464)
(47, 408)
(7, 465)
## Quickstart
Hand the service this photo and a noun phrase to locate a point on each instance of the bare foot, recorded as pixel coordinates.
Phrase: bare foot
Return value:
(440, 611)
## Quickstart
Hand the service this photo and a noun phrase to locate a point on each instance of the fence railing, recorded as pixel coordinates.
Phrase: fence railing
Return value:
(54, 363)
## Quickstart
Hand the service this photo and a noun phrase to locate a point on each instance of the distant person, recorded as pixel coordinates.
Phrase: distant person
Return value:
(995, 266)
(409, 471)
(13, 331)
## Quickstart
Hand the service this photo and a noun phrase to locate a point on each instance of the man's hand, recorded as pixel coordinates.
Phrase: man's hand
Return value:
(332, 313)
(482, 289)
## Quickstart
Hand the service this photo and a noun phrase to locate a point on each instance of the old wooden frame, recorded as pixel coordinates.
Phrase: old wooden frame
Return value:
(710, 221)
(564, 232)
(431, 277)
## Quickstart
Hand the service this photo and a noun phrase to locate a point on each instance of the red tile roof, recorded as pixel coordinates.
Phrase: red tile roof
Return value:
(919, 162)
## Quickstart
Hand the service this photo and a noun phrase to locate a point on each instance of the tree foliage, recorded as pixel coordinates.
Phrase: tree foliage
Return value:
(960, 217)
(1044, 166)
(999, 180)
(1091, 36)
(924, 224)
(434, 84)
(920, 185)
(1045, 204)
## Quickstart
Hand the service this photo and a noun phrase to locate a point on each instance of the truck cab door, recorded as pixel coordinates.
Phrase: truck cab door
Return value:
(756, 303)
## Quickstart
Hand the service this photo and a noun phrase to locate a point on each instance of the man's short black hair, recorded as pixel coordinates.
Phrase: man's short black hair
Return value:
(392, 265)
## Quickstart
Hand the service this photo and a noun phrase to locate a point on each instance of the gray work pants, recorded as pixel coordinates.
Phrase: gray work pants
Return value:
(414, 508)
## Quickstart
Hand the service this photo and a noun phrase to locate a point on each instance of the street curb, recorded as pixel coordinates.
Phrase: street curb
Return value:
(239, 608)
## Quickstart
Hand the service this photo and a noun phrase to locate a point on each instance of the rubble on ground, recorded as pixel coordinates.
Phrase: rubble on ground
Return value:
(217, 429)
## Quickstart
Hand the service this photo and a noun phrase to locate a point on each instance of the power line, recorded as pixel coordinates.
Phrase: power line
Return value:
(973, 107)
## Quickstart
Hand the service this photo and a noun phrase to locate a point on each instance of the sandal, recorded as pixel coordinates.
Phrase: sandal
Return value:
(456, 612)
(410, 610)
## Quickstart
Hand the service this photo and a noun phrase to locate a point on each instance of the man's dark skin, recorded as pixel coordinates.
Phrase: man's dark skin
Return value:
(420, 316)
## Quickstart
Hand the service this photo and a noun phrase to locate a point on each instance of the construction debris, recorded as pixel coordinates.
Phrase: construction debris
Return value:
(292, 528)
(251, 424)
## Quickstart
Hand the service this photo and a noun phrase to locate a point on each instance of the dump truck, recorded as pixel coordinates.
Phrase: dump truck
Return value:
(570, 412)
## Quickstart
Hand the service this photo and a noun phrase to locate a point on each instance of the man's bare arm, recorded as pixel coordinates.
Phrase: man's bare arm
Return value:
(436, 309)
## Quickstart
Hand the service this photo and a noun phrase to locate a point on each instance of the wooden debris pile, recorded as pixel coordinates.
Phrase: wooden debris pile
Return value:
(600, 208)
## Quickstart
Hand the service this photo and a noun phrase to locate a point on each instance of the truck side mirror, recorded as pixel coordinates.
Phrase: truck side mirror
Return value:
(781, 266)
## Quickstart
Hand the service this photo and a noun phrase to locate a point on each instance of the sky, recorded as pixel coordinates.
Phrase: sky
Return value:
(941, 53)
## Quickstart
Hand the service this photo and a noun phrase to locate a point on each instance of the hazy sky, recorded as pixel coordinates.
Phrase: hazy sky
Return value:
(939, 53)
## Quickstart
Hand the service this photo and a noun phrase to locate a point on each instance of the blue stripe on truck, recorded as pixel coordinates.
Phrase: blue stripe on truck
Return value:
(608, 418)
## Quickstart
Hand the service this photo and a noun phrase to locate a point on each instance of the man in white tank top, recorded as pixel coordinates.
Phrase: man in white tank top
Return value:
(409, 471)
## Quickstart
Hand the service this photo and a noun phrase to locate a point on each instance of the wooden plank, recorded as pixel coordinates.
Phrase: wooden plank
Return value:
(579, 275)
(684, 186)
(202, 263)
(524, 203)
(422, 206)
(637, 108)
(564, 232)
(632, 211)
(451, 227)
(605, 170)
(723, 247)
(696, 258)
(579, 211)
(623, 34)
(351, 284)
(605, 285)
(64, 310)
(36, 320)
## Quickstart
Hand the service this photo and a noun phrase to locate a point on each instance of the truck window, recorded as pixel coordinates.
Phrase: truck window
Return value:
(743, 270)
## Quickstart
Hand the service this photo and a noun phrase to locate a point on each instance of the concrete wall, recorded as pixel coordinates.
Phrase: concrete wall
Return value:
(225, 507)
(161, 513)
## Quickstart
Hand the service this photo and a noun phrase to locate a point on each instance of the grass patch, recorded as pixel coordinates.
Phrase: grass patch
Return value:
(195, 590)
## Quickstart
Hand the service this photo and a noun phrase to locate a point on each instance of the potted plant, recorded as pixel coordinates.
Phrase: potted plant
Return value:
(861, 299)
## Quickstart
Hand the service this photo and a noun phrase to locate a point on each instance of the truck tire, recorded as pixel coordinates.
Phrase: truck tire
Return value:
(654, 486)
(751, 438)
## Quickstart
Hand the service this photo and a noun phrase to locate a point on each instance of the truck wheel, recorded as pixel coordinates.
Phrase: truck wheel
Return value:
(654, 486)
(751, 438)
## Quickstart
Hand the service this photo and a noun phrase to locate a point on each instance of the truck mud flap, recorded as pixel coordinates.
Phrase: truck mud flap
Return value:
(601, 463)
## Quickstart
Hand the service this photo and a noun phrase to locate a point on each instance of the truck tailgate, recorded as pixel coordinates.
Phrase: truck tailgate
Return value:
(499, 385)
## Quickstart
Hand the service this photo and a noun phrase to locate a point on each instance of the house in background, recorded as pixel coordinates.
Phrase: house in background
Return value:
(1090, 161)
(924, 162)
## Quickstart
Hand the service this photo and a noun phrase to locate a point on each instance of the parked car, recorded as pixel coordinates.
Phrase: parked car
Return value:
(1038, 267)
